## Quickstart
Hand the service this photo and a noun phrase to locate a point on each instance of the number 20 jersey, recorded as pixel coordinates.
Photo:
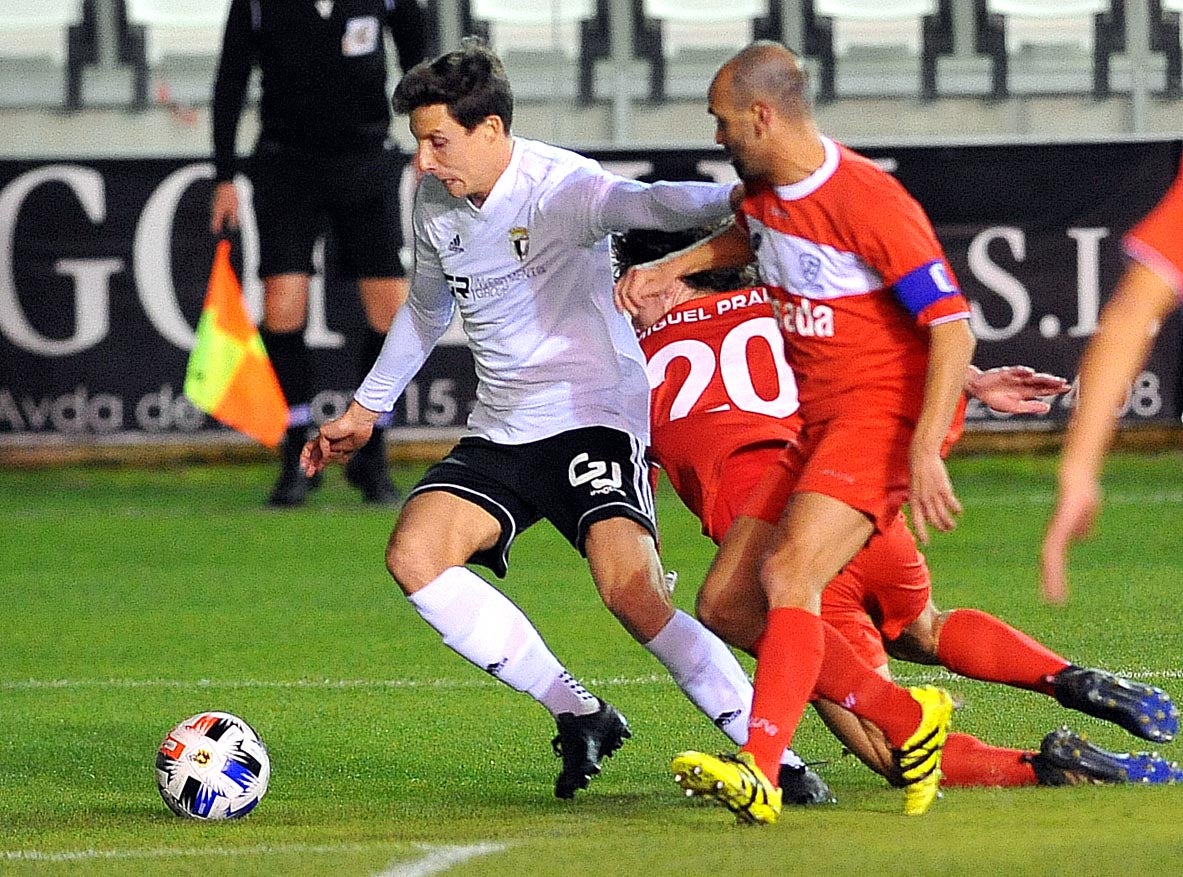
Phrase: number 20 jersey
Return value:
(720, 385)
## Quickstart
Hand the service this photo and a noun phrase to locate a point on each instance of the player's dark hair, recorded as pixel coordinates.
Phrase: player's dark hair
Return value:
(645, 245)
(470, 82)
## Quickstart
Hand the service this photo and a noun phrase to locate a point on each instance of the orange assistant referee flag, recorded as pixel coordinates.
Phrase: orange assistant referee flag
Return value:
(229, 375)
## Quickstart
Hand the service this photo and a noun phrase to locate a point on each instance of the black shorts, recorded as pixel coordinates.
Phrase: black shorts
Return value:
(572, 479)
(355, 194)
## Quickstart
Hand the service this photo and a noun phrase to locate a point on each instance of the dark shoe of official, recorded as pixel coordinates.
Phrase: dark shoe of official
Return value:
(1068, 759)
(800, 786)
(1143, 710)
(583, 742)
(292, 486)
(368, 472)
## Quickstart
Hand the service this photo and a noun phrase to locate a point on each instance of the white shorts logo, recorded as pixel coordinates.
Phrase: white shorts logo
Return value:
(361, 36)
(596, 473)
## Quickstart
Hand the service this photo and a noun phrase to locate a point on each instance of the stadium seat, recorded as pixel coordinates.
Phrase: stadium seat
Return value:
(911, 31)
(687, 40)
(538, 39)
(154, 30)
(1165, 37)
(61, 32)
(1050, 42)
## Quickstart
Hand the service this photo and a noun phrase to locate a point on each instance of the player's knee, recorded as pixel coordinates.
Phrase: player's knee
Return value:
(783, 578)
(408, 564)
(919, 641)
(713, 612)
(642, 605)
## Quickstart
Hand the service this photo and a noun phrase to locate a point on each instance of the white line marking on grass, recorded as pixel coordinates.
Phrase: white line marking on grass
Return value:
(1040, 498)
(312, 684)
(190, 852)
(1003, 499)
(475, 681)
(439, 859)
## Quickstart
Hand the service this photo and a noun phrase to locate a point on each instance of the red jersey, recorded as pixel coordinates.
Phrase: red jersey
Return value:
(720, 384)
(855, 274)
(1157, 241)
(722, 393)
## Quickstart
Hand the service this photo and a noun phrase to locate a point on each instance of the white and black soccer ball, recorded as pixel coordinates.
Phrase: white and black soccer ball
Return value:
(212, 766)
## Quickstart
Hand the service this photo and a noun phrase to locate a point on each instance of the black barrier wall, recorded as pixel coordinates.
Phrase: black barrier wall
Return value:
(103, 267)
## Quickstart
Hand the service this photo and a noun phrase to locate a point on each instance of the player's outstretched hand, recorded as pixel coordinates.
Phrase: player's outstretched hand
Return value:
(337, 440)
(930, 497)
(1073, 518)
(642, 283)
(1016, 389)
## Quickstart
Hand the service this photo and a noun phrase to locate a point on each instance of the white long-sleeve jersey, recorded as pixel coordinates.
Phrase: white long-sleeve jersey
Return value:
(531, 274)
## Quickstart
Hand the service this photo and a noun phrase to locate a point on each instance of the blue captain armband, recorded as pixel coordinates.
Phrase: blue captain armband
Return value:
(927, 284)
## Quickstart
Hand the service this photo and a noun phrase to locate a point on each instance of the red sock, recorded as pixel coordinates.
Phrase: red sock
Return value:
(848, 680)
(981, 646)
(791, 652)
(970, 762)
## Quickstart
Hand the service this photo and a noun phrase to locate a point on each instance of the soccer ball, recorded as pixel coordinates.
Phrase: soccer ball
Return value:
(212, 766)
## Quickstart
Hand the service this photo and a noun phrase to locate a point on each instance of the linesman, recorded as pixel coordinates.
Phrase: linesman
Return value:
(323, 154)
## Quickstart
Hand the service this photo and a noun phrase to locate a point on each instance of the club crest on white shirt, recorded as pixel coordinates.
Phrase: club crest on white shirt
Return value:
(519, 237)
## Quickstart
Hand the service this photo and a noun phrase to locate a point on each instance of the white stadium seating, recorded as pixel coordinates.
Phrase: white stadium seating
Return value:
(179, 27)
(37, 28)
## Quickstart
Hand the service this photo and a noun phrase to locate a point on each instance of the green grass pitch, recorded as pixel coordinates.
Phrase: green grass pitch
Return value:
(130, 599)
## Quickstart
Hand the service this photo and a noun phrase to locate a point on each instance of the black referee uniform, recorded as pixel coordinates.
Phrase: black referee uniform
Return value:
(323, 155)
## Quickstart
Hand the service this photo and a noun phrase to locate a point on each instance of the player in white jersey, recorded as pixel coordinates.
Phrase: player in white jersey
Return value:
(514, 234)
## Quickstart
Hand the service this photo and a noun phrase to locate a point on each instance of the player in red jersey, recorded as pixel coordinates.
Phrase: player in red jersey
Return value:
(876, 332)
(716, 365)
(1149, 290)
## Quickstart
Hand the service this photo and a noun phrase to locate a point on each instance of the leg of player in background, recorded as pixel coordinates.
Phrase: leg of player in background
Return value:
(731, 604)
(977, 645)
(435, 536)
(285, 306)
(381, 297)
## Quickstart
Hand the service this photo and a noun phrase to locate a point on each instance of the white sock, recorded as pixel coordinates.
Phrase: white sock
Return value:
(792, 759)
(481, 624)
(707, 672)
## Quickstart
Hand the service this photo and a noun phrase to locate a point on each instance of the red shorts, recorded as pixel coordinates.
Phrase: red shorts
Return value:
(740, 475)
(862, 462)
(881, 591)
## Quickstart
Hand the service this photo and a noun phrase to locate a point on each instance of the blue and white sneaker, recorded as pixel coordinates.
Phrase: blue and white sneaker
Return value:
(1143, 710)
(1068, 759)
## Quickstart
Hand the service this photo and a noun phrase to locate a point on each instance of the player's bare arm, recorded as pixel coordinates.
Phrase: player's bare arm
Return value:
(1128, 325)
(727, 249)
(931, 497)
(337, 440)
(1014, 389)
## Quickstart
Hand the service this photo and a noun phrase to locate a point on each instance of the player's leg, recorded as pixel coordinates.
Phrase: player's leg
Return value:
(288, 222)
(368, 469)
(978, 645)
(610, 520)
(285, 303)
(365, 219)
(847, 477)
(731, 602)
(627, 573)
(814, 539)
(460, 513)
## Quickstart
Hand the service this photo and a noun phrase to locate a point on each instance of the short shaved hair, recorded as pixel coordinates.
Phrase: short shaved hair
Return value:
(770, 73)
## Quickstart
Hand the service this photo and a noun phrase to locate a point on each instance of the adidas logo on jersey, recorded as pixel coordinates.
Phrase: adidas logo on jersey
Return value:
(454, 245)
(807, 319)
